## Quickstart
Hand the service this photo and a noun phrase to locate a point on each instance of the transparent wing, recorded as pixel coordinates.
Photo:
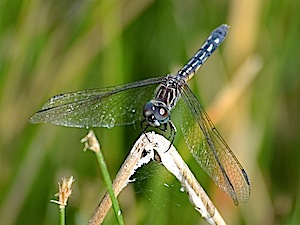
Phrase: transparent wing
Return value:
(109, 107)
(210, 150)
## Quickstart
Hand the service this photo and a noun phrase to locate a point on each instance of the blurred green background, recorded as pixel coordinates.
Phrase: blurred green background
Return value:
(250, 87)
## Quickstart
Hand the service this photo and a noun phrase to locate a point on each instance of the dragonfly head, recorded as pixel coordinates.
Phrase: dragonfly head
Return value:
(156, 113)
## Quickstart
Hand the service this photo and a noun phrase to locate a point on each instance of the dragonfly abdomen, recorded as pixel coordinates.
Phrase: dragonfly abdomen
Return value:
(210, 45)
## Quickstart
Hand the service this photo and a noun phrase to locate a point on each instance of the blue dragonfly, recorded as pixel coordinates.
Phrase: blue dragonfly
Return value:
(150, 101)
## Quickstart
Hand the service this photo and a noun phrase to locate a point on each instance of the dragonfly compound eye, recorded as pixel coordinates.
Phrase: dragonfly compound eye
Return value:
(156, 113)
(148, 112)
(162, 114)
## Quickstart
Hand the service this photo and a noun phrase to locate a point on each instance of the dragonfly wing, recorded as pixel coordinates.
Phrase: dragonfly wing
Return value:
(108, 107)
(210, 150)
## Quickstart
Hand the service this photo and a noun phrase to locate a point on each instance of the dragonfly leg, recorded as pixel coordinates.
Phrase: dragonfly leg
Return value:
(170, 127)
(144, 125)
(173, 132)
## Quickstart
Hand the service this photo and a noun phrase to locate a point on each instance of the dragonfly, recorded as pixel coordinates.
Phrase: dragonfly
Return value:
(150, 101)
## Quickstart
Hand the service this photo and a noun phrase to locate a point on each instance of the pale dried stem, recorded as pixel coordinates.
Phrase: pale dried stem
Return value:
(144, 150)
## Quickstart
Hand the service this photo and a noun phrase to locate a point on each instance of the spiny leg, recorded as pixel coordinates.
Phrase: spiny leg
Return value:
(144, 125)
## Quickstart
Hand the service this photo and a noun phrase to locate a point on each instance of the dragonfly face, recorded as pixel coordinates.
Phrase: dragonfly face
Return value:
(156, 113)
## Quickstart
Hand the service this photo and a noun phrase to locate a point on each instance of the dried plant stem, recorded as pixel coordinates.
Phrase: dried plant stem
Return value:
(146, 148)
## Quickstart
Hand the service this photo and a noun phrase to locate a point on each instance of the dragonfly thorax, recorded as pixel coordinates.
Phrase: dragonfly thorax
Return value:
(156, 113)
(168, 91)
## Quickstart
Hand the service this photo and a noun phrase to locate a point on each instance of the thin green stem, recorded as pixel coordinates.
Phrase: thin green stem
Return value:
(62, 215)
(108, 183)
